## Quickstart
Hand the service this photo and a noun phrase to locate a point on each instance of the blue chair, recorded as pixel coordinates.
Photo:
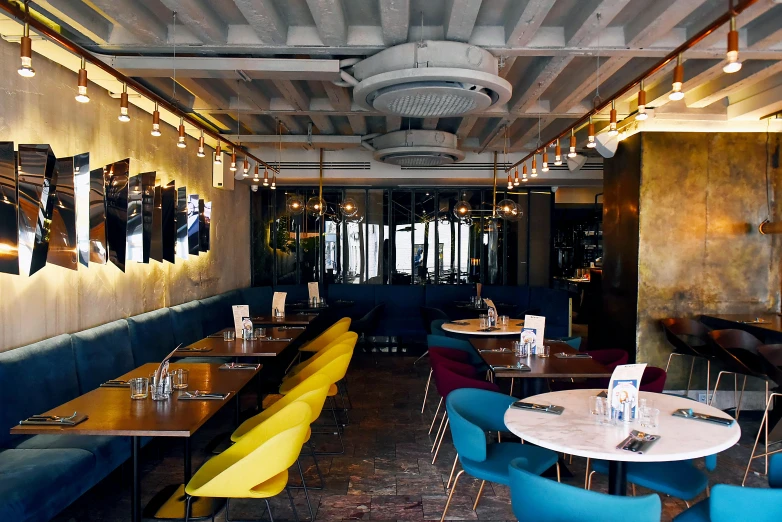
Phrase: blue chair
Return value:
(735, 504)
(472, 412)
(437, 327)
(543, 500)
(573, 342)
(680, 479)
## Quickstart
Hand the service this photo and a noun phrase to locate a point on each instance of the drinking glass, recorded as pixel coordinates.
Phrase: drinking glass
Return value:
(484, 321)
(229, 335)
(650, 417)
(161, 390)
(595, 405)
(503, 321)
(180, 378)
(259, 333)
(139, 388)
(542, 351)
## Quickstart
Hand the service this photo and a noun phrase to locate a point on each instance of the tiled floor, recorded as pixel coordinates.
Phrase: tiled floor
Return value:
(385, 473)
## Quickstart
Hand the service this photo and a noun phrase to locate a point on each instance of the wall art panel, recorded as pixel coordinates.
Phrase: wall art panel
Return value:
(9, 210)
(37, 181)
(117, 211)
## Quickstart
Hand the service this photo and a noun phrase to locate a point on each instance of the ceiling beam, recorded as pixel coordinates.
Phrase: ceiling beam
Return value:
(201, 19)
(757, 106)
(164, 87)
(263, 17)
(753, 12)
(250, 93)
(136, 19)
(323, 123)
(338, 96)
(330, 21)
(723, 86)
(358, 124)
(394, 20)
(393, 123)
(297, 139)
(291, 124)
(429, 123)
(459, 19)
(465, 126)
(206, 96)
(293, 94)
(766, 31)
(524, 20)
(80, 17)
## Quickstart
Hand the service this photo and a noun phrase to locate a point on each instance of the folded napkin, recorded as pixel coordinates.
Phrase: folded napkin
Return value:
(277, 339)
(239, 366)
(516, 367)
(638, 442)
(215, 336)
(460, 323)
(199, 350)
(496, 350)
(572, 355)
(54, 420)
(293, 327)
(115, 383)
(542, 408)
(689, 414)
(203, 396)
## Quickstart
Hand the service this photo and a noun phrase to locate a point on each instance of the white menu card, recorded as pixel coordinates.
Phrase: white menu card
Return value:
(534, 328)
(240, 312)
(491, 312)
(624, 386)
(313, 290)
(278, 302)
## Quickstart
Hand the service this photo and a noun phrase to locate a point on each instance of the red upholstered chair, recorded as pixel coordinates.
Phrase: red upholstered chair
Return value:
(653, 380)
(608, 358)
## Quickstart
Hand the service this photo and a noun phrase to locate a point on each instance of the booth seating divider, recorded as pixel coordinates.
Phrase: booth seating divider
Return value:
(187, 323)
(150, 336)
(102, 353)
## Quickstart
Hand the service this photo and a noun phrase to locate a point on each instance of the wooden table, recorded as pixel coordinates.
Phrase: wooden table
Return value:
(540, 367)
(112, 412)
(766, 322)
(241, 348)
(473, 327)
(289, 319)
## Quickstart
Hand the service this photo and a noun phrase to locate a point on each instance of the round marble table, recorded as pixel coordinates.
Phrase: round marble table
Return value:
(576, 432)
(473, 327)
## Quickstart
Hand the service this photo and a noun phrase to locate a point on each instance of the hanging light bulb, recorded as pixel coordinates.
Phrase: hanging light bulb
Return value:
(558, 155)
(82, 97)
(733, 65)
(246, 166)
(591, 135)
(348, 207)
(612, 121)
(295, 205)
(233, 159)
(316, 206)
(123, 104)
(510, 182)
(572, 151)
(155, 122)
(180, 142)
(524, 173)
(26, 69)
(507, 209)
(462, 210)
(678, 79)
(641, 116)
(218, 154)
(274, 182)
(256, 176)
(544, 168)
(534, 166)
(201, 152)
(516, 178)
(265, 177)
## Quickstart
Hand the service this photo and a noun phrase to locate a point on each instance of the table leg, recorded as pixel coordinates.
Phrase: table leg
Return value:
(617, 478)
(188, 460)
(135, 499)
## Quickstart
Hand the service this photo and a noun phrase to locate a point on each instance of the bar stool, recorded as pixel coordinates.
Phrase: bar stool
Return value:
(689, 338)
(738, 350)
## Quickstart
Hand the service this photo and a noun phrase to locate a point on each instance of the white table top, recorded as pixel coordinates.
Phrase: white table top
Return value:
(576, 431)
(473, 327)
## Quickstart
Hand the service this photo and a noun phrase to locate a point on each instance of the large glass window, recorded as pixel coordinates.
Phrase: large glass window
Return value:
(401, 216)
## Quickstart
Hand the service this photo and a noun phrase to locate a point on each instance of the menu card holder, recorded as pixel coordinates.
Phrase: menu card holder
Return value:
(623, 388)
(240, 312)
(533, 331)
(278, 303)
(313, 290)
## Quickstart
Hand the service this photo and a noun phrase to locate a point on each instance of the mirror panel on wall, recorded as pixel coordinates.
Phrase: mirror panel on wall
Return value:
(377, 236)
(168, 221)
(81, 193)
(156, 225)
(62, 239)
(402, 240)
(193, 224)
(99, 245)
(206, 226)
(9, 208)
(37, 168)
(141, 198)
(117, 211)
(182, 245)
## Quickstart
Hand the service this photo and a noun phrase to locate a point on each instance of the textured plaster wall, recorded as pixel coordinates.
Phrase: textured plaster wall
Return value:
(55, 300)
(702, 197)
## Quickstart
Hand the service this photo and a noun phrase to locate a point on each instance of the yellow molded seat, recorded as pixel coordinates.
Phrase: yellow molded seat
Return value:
(333, 364)
(311, 390)
(345, 338)
(257, 465)
(331, 333)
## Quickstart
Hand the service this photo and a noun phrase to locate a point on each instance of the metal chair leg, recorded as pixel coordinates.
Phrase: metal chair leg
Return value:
(763, 428)
(689, 380)
(269, 508)
(188, 500)
(437, 412)
(453, 470)
(478, 496)
(293, 505)
(424, 355)
(439, 430)
(741, 397)
(306, 493)
(426, 391)
(586, 474)
(447, 420)
(450, 495)
(559, 473)
(708, 379)
(717, 385)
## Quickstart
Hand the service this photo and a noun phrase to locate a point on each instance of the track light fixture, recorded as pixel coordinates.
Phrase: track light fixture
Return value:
(155, 122)
(534, 171)
(274, 182)
(256, 174)
(516, 178)
(733, 65)
(265, 177)
(123, 104)
(544, 167)
(641, 116)
(591, 134)
(81, 96)
(678, 80)
(524, 173)
(510, 182)
(233, 159)
(180, 142)
(558, 155)
(26, 69)
(572, 151)
(612, 121)
(246, 167)
(218, 154)
(201, 152)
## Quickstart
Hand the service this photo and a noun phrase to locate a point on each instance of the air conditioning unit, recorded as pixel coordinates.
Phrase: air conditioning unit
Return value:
(417, 148)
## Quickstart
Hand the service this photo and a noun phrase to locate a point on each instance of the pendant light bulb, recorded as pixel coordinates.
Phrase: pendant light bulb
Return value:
(274, 182)
(155, 122)
(256, 174)
(534, 166)
(180, 142)
(265, 177)
(82, 97)
(591, 134)
(678, 80)
(246, 166)
(201, 152)
(510, 182)
(123, 104)
(572, 151)
(218, 154)
(516, 178)
(612, 121)
(558, 155)
(26, 68)
(641, 116)
(524, 173)
(544, 168)
(233, 159)
(733, 65)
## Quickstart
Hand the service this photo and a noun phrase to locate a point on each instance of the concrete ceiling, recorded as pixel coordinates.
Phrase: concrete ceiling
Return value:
(269, 61)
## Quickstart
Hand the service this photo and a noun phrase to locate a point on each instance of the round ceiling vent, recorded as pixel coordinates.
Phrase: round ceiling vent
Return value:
(417, 148)
(430, 79)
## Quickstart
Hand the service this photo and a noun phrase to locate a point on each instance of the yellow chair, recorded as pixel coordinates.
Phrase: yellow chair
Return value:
(257, 465)
(323, 364)
(331, 333)
(347, 337)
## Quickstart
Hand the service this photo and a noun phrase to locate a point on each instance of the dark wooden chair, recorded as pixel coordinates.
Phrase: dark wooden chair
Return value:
(688, 338)
(738, 351)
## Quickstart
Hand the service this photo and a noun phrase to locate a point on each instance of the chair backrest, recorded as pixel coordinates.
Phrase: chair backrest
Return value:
(436, 328)
(334, 366)
(429, 314)
(686, 335)
(313, 365)
(267, 450)
(446, 380)
(461, 367)
(450, 353)
(457, 344)
(545, 500)
(486, 409)
(610, 358)
(731, 503)
(312, 390)
(370, 320)
(653, 380)
(771, 360)
(738, 350)
(775, 471)
(330, 334)
(345, 338)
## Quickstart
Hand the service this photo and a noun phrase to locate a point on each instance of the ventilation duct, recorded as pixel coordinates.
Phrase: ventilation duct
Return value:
(430, 79)
(417, 148)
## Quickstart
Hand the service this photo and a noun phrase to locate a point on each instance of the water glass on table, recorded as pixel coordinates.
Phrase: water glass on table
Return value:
(259, 333)
(503, 321)
(161, 390)
(179, 378)
(139, 388)
(650, 417)
(543, 351)
(484, 321)
(229, 335)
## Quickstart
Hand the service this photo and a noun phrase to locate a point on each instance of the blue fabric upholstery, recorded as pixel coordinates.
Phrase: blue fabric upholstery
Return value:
(517, 296)
(35, 485)
(151, 337)
(437, 327)
(45, 372)
(457, 344)
(544, 500)
(495, 467)
(259, 298)
(295, 292)
(362, 295)
(554, 305)
(443, 296)
(736, 504)
(109, 452)
(187, 323)
(102, 353)
(216, 312)
(680, 479)
(400, 315)
(697, 513)
(775, 471)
